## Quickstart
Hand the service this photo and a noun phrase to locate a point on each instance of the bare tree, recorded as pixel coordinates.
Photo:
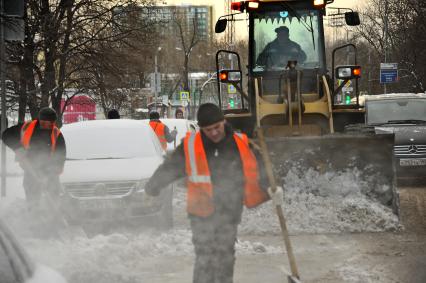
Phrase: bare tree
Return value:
(188, 37)
(57, 33)
(406, 38)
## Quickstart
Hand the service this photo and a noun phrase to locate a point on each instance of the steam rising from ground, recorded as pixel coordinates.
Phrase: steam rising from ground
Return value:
(314, 203)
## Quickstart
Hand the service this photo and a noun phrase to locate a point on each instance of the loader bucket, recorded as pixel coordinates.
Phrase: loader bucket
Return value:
(366, 155)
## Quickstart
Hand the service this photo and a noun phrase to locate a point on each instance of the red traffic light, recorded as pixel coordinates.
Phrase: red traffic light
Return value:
(237, 6)
(223, 76)
(356, 72)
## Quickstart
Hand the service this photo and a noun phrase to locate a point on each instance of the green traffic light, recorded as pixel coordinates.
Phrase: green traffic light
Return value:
(348, 99)
(231, 103)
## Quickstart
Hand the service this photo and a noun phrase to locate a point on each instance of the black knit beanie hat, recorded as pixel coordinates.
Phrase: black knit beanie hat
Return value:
(47, 114)
(209, 114)
(113, 114)
(154, 115)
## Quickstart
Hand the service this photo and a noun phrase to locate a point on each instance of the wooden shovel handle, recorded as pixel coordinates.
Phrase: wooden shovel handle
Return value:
(273, 184)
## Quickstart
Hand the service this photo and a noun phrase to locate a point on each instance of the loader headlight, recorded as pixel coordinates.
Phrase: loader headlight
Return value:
(253, 5)
(318, 4)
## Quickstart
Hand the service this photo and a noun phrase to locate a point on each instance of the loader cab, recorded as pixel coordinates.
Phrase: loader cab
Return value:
(281, 33)
(287, 69)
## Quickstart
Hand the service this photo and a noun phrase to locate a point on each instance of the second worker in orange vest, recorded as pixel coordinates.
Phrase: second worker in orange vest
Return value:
(162, 131)
(40, 149)
(223, 174)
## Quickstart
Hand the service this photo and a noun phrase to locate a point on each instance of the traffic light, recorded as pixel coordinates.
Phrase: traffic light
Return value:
(231, 103)
(348, 99)
(14, 8)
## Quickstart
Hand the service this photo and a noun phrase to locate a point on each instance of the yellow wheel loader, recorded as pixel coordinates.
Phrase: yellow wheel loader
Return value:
(301, 107)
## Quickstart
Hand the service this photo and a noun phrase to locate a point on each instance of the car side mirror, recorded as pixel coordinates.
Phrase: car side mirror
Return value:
(220, 25)
(352, 18)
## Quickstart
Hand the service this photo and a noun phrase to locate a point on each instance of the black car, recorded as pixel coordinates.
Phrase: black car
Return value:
(403, 115)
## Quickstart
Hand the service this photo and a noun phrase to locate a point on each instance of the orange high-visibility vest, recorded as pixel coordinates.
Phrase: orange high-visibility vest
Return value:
(158, 128)
(27, 131)
(200, 188)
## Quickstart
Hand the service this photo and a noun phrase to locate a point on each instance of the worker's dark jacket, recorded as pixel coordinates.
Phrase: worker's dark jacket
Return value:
(226, 171)
(275, 54)
(39, 153)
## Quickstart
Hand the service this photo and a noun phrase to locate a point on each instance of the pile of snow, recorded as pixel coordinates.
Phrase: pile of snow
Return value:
(323, 203)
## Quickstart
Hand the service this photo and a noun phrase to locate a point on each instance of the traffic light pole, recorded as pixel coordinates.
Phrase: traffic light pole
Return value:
(3, 98)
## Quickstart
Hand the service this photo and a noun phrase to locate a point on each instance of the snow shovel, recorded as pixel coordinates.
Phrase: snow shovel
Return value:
(294, 277)
(174, 141)
(52, 204)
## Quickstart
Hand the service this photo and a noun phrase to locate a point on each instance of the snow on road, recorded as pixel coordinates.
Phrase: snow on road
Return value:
(128, 256)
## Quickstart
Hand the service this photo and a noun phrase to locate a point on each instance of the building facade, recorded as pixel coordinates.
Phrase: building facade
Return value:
(188, 15)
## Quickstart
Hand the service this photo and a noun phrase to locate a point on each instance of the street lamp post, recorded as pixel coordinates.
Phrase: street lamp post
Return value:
(3, 98)
(386, 39)
(156, 77)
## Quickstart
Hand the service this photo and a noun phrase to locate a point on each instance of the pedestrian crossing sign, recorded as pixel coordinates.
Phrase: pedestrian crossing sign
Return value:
(184, 95)
(231, 89)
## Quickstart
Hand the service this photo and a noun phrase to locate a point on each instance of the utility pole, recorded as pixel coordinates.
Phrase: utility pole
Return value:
(3, 98)
(156, 79)
(386, 39)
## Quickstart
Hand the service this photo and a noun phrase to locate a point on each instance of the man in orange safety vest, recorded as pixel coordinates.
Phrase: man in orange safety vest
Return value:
(222, 175)
(162, 131)
(40, 150)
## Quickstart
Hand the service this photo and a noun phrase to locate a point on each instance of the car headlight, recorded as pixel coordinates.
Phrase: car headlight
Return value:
(140, 187)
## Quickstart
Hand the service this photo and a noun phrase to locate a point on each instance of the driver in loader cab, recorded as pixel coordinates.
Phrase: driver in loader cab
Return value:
(278, 52)
(223, 174)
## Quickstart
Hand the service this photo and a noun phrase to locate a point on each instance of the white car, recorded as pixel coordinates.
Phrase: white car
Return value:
(108, 164)
(16, 266)
(182, 126)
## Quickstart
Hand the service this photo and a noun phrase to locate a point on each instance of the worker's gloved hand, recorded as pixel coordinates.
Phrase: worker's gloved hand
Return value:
(277, 197)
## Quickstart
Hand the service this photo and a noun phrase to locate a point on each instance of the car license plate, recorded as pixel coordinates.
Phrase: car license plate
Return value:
(100, 204)
(412, 162)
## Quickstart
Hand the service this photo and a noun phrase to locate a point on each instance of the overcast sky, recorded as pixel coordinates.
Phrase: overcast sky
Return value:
(219, 4)
(219, 7)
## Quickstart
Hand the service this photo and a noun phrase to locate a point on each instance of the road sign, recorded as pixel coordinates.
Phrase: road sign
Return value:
(231, 89)
(388, 73)
(184, 95)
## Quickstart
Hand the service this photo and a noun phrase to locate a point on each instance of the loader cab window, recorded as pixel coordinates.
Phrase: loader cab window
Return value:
(282, 36)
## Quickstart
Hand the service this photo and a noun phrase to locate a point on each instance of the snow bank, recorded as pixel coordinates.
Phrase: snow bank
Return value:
(333, 203)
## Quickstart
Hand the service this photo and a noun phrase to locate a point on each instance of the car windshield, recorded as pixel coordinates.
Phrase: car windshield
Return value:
(391, 110)
(110, 142)
(299, 27)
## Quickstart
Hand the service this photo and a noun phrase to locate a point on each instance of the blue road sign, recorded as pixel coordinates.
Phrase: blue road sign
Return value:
(388, 73)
